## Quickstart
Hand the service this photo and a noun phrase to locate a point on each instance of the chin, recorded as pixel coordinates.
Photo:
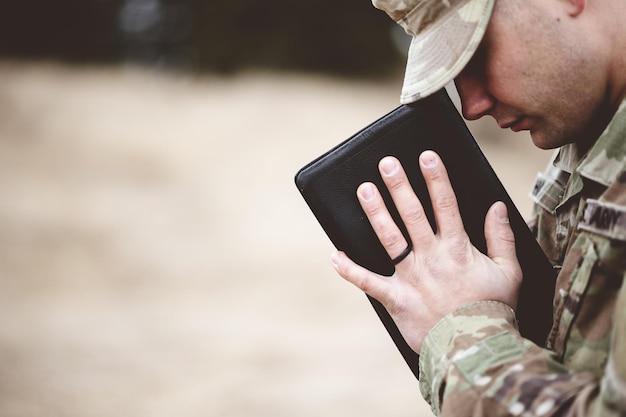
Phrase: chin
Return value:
(541, 142)
(546, 141)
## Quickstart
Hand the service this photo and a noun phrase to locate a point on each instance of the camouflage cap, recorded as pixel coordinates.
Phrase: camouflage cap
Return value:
(445, 35)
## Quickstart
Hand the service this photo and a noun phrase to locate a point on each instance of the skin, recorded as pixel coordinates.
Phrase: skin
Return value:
(446, 272)
(544, 65)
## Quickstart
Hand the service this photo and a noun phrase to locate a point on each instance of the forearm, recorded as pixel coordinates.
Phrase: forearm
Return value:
(475, 363)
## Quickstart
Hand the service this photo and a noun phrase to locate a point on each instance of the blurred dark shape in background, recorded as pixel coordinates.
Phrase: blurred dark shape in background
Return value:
(348, 37)
(157, 33)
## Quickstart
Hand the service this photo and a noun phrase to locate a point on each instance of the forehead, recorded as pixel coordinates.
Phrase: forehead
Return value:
(505, 41)
(511, 22)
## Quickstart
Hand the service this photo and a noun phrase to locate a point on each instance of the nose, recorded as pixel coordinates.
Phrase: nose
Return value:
(476, 101)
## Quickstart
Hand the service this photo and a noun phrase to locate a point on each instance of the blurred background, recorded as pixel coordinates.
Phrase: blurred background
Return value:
(155, 257)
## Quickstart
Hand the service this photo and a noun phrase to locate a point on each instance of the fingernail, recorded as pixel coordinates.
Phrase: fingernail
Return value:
(366, 191)
(429, 159)
(388, 166)
(502, 214)
(335, 259)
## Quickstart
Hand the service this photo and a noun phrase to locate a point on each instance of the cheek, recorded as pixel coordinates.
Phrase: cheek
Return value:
(511, 93)
(507, 77)
(557, 123)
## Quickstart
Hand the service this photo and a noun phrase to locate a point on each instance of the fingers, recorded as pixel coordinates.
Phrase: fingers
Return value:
(372, 284)
(408, 205)
(383, 224)
(443, 199)
(501, 240)
(447, 216)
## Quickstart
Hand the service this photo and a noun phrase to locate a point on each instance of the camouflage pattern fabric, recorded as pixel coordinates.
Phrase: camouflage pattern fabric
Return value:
(475, 363)
(445, 35)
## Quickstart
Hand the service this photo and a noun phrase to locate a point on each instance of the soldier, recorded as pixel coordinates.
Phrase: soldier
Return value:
(558, 69)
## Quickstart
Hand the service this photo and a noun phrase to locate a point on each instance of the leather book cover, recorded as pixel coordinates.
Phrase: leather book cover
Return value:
(328, 184)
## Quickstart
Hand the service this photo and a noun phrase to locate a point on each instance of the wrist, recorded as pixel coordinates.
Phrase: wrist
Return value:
(461, 334)
(471, 319)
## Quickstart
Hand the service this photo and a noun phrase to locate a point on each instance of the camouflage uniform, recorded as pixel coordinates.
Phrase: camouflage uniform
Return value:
(445, 34)
(475, 363)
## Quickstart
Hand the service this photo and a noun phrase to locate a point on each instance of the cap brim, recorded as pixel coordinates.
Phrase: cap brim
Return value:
(439, 54)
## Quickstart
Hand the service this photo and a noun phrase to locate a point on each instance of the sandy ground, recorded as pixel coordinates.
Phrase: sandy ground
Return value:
(157, 260)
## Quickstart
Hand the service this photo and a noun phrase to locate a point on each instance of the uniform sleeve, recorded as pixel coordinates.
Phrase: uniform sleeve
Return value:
(475, 363)
(613, 385)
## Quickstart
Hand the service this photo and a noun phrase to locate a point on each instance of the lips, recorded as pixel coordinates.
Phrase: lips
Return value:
(515, 124)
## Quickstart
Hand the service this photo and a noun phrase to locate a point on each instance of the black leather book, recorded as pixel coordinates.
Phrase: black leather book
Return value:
(329, 183)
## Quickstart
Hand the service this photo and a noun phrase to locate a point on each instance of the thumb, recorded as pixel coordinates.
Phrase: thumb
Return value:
(501, 240)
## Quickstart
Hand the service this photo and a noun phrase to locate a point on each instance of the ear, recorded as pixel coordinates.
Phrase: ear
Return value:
(574, 7)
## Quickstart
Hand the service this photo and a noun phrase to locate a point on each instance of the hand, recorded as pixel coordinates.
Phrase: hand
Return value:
(444, 271)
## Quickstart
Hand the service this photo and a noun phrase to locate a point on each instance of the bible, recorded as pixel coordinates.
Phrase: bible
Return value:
(328, 185)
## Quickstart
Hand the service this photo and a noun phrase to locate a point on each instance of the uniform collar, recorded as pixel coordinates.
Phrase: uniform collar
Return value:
(606, 159)
(602, 163)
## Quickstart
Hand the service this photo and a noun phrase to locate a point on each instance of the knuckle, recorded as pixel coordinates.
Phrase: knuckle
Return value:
(433, 265)
(436, 175)
(445, 202)
(348, 272)
(507, 236)
(396, 303)
(373, 209)
(395, 184)
(390, 238)
(413, 215)
(459, 248)
(365, 285)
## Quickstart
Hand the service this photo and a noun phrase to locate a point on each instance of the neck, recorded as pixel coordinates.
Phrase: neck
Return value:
(615, 15)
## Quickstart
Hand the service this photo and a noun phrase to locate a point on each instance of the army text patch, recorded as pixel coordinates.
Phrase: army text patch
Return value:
(605, 219)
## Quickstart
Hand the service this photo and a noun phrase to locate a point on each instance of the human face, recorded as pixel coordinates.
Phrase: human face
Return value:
(534, 71)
